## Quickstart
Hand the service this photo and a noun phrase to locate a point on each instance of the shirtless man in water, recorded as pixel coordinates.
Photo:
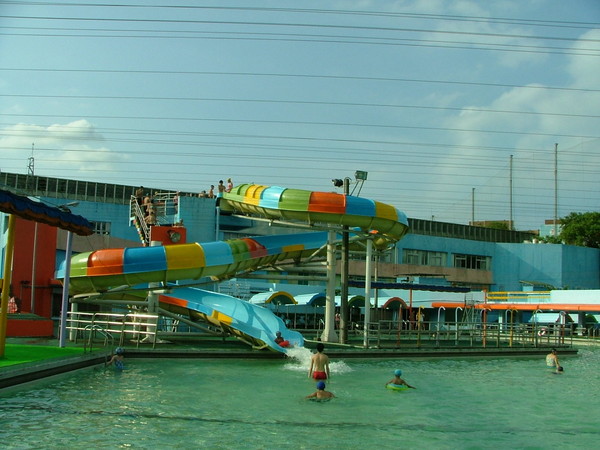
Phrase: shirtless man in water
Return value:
(321, 393)
(319, 364)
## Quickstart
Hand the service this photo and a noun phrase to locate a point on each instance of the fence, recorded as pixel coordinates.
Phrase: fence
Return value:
(454, 334)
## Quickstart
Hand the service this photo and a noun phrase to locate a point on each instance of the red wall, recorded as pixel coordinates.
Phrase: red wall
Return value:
(45, 265)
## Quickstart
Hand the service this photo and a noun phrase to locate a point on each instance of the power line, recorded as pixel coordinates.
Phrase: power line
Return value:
(478, 19)
(297, 122)
(311, 38)
(289, 75)
(300, 25)
(298, 102)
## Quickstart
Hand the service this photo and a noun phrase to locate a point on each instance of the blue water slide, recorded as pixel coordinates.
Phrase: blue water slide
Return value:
(240, 316)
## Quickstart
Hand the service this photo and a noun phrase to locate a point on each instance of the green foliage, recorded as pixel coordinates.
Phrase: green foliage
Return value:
(498, 225)
(551, 239)
(582, 229)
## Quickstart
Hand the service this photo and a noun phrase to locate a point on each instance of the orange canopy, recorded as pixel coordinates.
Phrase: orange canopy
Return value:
(525, 306)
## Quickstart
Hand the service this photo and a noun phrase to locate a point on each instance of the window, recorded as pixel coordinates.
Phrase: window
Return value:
(102, 228)
(414, 257)
(424, 258)
(436, 259)
(472, 262)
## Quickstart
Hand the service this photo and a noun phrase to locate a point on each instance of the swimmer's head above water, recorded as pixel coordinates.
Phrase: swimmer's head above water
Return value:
(398, 372)
(320, 385)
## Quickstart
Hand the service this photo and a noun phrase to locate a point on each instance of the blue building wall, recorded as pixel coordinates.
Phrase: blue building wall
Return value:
(562, 266)
(115, 214)
(580, 267)
(198, 215)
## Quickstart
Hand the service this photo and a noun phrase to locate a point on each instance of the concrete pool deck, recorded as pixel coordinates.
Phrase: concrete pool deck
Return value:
(20, 373)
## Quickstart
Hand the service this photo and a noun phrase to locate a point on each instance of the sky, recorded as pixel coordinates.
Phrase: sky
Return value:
(458, 110)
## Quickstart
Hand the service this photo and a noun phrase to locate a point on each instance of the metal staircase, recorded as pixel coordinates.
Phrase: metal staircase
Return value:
(136, 216)
(165, 208)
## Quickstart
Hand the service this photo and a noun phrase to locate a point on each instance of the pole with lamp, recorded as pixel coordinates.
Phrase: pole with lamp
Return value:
(344, 315)
(360, 177)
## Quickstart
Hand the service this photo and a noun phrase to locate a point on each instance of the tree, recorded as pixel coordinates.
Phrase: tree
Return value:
(581, 229)
(497, 225)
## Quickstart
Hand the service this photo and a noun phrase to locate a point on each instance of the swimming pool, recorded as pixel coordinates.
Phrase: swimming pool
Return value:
(259, 404)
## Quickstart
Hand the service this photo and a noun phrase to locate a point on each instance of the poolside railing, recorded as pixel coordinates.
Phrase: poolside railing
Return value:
(112, 327)
(394, 334)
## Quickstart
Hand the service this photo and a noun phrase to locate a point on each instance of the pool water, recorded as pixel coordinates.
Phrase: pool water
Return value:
(259, 404)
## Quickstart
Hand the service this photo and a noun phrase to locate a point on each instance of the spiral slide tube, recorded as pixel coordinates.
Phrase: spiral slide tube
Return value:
(103, 270)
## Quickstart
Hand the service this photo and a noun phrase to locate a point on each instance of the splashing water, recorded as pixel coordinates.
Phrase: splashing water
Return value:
(299, 361)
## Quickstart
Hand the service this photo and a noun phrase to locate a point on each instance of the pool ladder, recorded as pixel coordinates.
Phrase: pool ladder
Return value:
(93, 329)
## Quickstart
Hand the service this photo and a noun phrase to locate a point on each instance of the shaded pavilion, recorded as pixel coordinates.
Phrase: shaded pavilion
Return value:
(18, 206)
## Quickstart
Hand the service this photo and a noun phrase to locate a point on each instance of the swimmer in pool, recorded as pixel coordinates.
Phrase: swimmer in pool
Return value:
(399, 381)
(118, 359)
(321, 393)
(319, 364)
(552, 359)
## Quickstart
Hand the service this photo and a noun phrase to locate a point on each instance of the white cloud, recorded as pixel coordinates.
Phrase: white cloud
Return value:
(73, 146)
(556, 115)
(584, 70)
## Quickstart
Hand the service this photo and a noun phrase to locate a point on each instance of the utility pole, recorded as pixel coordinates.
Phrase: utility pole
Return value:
(344, 313)
(31, 162)
(510, 192)
(31, 185)
(473, 206)
(556, 190)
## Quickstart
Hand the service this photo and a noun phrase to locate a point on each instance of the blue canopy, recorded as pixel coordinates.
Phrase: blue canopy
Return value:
(38, 212)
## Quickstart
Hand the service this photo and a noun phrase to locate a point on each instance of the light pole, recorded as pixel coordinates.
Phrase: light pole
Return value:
(62, 336)
(360, 176)
(344, 316)
(65, 293)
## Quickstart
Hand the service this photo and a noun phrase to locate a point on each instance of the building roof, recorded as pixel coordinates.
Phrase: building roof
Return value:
(549, 318)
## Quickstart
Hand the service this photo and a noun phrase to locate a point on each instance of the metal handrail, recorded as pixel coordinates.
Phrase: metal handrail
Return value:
(140, 326)
(138, 214)
(97, 328)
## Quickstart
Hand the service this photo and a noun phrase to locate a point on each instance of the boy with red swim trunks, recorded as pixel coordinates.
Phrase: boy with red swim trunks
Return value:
(319, 364)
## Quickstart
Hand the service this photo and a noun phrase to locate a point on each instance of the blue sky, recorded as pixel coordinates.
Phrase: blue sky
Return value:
(431, 98)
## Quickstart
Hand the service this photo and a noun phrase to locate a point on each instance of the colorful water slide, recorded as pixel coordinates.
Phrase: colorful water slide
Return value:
(104, 270)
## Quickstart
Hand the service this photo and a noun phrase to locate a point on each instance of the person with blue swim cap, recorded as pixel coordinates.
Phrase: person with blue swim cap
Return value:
(321, 393)
(118, 359)
(397, 381)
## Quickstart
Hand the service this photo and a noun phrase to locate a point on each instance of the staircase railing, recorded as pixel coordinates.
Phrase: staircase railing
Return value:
(138, 218)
